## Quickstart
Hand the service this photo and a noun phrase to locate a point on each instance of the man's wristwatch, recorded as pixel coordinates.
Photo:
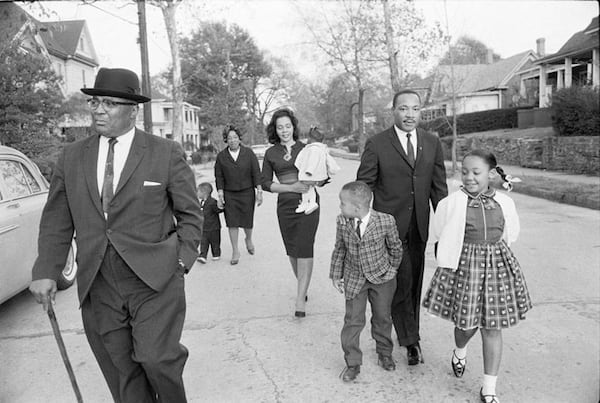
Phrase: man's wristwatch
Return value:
(182, 266)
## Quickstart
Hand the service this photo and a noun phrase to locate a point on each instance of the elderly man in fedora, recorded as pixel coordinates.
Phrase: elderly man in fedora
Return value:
(130, 198)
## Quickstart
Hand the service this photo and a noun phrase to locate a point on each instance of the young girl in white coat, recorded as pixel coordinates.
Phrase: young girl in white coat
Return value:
(315, 168)
(478, 283)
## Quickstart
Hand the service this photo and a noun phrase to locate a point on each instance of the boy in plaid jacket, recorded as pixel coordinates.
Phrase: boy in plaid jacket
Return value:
(364, 264)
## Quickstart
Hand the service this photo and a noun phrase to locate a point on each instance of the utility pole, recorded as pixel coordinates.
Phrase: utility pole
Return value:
(146, 90)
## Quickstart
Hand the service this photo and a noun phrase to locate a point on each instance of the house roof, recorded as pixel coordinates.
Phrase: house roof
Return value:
(472, 78)
(62, 38)
(580, 42)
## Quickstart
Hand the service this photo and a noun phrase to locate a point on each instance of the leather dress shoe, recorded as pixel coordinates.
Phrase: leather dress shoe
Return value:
(386, 362)
(414, 354)
(350, 373)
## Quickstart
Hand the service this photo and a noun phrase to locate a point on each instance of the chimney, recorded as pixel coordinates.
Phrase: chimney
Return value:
(541, 46)
(490, 56)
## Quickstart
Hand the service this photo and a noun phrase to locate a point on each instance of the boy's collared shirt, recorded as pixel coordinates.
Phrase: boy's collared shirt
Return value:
(363, 222)
(374, 257)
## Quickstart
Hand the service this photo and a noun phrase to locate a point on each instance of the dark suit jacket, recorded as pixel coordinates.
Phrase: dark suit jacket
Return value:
(237, 175)
(210, 212)
(397, 186)
(149, 226)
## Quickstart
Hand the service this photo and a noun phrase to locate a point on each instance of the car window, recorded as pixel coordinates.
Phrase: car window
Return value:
(15, 180)
(34, 186)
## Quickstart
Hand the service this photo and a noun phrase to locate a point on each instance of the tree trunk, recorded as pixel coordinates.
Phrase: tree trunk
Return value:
(361, 122)
(169, 10)
(392, 54)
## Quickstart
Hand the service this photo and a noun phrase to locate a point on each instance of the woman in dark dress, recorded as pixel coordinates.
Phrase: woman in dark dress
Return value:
(238, 181)
(298, 230)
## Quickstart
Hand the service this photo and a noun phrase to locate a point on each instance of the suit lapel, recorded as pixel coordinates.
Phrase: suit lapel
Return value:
(136, 154)
(89, 161)
(396, 143)
(373, 220)
(420, 141)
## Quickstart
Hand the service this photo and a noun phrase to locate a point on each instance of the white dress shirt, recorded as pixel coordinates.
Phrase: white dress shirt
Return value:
(122, 148)
(363, 223)
(403, 140)
(234, 154)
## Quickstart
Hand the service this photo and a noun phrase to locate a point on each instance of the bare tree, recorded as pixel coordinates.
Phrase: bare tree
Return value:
(169, 10)
(352, 43)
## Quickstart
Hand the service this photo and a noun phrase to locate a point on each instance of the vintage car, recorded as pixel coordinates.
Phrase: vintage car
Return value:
(23, 193)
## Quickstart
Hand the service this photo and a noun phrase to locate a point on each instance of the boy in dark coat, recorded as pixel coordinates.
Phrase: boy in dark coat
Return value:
(211, 229)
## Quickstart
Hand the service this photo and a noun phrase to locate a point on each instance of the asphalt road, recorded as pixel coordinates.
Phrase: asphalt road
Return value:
(246, 346)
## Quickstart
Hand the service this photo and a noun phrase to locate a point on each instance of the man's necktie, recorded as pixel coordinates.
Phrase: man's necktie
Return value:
(358, 228)
(107, 187)
(410, 151)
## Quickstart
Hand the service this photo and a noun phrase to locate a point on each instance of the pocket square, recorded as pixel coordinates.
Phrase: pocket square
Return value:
(150, 183)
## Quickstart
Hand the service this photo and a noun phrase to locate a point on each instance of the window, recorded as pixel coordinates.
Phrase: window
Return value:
(17, 179)
(82, 43)
(83, 78)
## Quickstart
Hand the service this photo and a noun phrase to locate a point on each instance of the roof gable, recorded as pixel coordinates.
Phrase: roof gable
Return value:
(478, 77)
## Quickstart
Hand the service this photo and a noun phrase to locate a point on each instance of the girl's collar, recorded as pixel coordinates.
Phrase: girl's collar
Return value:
(489, 192)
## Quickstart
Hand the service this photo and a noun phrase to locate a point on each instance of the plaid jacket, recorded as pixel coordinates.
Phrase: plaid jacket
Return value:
(374, 257)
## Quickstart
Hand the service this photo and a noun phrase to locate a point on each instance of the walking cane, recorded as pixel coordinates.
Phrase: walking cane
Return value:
(63, 351)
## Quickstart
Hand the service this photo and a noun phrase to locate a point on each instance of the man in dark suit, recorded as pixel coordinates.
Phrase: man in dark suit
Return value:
(404, 167)
(130, 198)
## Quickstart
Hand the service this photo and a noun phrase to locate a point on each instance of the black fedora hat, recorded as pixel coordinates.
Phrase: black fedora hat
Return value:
(120, 83)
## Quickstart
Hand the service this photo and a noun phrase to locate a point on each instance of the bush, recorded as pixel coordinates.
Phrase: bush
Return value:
(576, 111)
(475, 122)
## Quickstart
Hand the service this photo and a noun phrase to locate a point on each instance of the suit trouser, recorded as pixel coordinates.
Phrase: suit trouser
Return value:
(405, 305)
(210, 238)
(380, 297)
(134, 333)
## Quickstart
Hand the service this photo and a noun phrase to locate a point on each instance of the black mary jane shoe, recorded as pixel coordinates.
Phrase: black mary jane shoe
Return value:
(458, 367)
(488, 398)
(300, 314)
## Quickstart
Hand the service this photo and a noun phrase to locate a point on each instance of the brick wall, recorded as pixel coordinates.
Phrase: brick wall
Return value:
(579, 155)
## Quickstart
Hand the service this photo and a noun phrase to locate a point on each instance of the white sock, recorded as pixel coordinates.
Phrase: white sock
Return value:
(489, 384)
(461, 353)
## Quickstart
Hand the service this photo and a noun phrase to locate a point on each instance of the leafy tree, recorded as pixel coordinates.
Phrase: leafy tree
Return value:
(221, 65)
(30, 104)
(468, 50)
(356, 41)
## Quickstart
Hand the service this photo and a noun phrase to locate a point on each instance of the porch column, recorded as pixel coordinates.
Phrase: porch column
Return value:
(568, 72)
(560, 82)
(595, 67)
(542, 89)
(522, 90)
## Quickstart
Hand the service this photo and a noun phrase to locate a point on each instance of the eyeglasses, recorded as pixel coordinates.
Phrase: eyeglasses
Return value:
(94, 103)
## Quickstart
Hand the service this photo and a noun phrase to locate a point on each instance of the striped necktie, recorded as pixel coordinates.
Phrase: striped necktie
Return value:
(107, 186)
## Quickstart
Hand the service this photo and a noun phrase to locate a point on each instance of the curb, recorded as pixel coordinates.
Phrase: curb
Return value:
(571, 198)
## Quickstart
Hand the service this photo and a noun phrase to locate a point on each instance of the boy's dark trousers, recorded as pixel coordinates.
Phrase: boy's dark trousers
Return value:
(380, 297)
(211, 238)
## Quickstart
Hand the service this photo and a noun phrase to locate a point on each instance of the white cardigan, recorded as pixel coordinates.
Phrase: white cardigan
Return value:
(449, 224)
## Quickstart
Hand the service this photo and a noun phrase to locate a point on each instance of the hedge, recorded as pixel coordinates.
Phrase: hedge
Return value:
(475, 122)
(576, 111)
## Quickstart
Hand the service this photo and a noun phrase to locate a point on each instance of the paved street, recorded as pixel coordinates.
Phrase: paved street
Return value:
(245, 344)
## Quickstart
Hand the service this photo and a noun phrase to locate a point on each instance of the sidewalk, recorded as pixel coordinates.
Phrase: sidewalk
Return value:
(577, 190)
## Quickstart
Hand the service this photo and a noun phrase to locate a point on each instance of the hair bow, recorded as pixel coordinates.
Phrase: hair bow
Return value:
(508, 182)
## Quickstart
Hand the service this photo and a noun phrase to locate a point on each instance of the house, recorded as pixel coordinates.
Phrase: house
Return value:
(477, 87)
(162, 121)
(67, 45)
(575, 63)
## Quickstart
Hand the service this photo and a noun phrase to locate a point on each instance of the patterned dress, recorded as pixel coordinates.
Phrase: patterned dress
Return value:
(488, 289)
